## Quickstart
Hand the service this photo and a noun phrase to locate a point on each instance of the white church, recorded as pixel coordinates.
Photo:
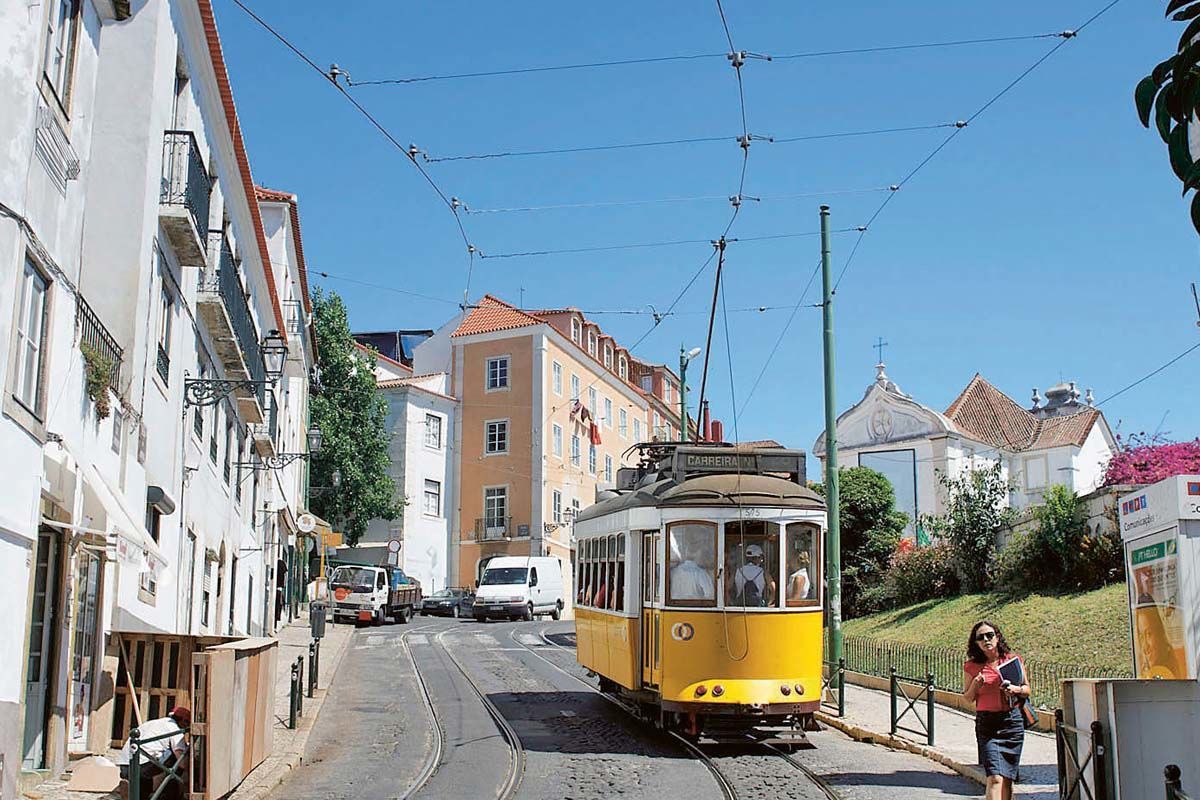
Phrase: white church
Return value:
(1059, 440)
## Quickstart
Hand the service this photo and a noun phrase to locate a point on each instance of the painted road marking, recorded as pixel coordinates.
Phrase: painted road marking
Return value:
(529, 638)
(418, 638)
(486, 640)
(374, 640)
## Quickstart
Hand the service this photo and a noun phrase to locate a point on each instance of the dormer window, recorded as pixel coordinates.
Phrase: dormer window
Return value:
(576, 330)
(592, 344)
(608, 355)
(623, 367)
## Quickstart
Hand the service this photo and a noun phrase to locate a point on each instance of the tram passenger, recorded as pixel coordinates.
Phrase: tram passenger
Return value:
(752, 585)
(689, 580)
(799, 585)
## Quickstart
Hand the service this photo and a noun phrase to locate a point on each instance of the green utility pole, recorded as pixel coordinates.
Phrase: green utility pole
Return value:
(833, 538)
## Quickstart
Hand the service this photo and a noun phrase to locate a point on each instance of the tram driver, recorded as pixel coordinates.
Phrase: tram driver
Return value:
(689, 580)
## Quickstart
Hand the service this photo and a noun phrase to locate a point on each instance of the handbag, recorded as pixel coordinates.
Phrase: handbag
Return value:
(1013, 671)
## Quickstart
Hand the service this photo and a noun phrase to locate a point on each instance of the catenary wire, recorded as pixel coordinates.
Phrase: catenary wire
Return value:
(407, 152)
(921, 46)
(664, 243)
(1064, 37)
(1149, 375)
(681, 199)
(779, 340)
(685, 141)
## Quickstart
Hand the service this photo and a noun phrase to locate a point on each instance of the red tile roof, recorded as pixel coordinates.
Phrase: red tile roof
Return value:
(492, 314)
(989, 415)
(239, 152)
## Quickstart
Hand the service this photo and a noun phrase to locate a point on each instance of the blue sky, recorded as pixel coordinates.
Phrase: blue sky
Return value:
(1047, 241)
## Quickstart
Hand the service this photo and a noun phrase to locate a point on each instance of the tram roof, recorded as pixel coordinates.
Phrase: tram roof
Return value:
(719, 491)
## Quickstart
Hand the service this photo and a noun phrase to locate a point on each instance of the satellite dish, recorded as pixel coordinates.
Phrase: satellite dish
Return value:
(306, 522)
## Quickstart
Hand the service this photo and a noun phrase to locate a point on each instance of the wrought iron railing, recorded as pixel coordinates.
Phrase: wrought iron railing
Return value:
(878, 656)
(163, 364)
(490, 528)
(222, 279)
(296, 327)
(185, 180)
(93, 333)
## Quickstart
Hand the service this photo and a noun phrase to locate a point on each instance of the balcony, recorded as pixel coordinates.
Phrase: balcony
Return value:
(225, 310)
(184, 198)
(493, 529)
(297, 325)
(93, 334)
(266, 436)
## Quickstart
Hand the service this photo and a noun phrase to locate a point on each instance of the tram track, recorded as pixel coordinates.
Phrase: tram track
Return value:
(727, 785)
(516, 751)
(434, 759)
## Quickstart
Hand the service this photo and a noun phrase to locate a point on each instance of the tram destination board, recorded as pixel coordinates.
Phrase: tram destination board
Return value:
(698, 461)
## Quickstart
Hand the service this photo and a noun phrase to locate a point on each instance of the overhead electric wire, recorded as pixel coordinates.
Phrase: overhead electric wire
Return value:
(779, 340)
(1149, 375)
(667, 243)
(408, 152)
(381, 287)
(554, 151)
(530, 70)
(959, 127)
(921, 46)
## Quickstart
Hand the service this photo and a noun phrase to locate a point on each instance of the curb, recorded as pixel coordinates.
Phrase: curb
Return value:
(861, 734)
(272, 772)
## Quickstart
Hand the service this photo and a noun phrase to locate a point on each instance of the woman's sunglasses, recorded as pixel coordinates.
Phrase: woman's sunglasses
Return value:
(987, 636)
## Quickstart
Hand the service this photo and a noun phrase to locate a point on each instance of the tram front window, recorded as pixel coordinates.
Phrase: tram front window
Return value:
(693, 551)
(752, 564)
(803, 564)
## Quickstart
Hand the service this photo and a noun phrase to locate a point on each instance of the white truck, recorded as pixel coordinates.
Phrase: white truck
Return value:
(372, 594)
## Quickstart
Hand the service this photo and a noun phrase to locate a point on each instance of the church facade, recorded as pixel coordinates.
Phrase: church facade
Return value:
(1061, 440)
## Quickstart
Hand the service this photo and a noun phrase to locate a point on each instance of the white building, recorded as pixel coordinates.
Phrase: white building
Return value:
(130, 231)
(1062, 442)
(420, 422)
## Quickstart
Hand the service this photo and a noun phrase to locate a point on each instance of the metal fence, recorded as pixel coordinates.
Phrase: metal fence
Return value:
(879, 656)
(223, 279)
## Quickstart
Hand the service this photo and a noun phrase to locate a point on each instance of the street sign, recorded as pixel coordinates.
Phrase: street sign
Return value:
(393, 545)
(307, 523)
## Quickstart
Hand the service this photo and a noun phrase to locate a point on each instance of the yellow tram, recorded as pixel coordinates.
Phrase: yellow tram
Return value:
(698, 588)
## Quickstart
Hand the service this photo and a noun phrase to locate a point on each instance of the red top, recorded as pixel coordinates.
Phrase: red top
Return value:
(989, 697)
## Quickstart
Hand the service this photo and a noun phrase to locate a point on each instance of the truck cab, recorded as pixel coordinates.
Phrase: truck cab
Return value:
(366, 593)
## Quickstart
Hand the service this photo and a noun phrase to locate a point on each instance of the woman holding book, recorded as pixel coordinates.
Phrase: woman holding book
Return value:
(994, 679)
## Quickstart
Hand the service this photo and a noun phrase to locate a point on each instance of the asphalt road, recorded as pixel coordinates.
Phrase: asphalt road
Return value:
(512, 711)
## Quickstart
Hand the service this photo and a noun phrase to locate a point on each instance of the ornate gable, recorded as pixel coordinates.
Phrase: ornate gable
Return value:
(885, 415)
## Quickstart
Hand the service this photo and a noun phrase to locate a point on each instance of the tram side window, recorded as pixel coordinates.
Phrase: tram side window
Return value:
(803, 566)
(619, 592)
(752, 564)
(691, 577)
(591, 579)
(600, 597)
(581, 571)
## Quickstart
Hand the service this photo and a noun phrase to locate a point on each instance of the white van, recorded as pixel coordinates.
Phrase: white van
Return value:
(518, 587)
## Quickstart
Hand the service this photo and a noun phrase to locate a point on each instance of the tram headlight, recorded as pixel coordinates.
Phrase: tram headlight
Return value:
(702, 690)
(785, 690)
(718, 690)
(799, 688)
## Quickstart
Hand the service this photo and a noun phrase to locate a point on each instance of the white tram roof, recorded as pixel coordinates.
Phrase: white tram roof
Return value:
(713, 491)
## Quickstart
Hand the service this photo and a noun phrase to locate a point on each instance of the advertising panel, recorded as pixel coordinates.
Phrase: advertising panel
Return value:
(1159, 634)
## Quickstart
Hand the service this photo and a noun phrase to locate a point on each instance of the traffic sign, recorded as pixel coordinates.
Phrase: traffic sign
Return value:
(307, 523)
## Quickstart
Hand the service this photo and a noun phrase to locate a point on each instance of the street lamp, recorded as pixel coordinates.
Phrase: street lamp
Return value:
(685, 357)
(274, 350)
(315, 438)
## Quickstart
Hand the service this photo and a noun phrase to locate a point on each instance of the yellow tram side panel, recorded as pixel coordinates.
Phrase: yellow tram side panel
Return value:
(751, 655)
(607, 644)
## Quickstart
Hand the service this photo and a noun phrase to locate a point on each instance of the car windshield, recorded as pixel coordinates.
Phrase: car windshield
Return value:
(354, 578)
(443, 593)
(504, 576)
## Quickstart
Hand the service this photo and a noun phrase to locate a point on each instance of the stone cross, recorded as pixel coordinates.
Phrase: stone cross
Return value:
(879, 345)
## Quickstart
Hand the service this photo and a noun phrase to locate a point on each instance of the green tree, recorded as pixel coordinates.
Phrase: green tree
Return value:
(352, 416)
(871, 531)
(976, 509)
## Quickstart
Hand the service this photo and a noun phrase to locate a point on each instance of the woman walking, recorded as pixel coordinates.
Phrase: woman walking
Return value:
(999, 730)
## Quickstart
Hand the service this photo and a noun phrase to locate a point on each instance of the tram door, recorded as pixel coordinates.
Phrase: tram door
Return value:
(651, 622)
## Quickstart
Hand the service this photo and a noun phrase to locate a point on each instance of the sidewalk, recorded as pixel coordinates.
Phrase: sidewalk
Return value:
(868, 718)
(287, 750)
(288, 747)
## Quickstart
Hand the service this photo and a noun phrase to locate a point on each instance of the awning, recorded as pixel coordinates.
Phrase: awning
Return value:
(109, 514)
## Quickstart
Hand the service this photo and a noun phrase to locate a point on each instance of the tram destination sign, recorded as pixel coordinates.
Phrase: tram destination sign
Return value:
(710, 460)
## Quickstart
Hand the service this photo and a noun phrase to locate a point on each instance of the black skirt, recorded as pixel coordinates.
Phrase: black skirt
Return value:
(1000, 735)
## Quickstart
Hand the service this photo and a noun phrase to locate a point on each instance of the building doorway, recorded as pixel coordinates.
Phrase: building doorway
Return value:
(43, 650)
(88, 571)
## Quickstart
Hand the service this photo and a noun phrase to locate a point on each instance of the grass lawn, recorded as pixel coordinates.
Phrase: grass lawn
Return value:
(1089, 628)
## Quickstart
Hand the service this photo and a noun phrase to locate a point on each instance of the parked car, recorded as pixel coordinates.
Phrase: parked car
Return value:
(520, 587)
(449, 602)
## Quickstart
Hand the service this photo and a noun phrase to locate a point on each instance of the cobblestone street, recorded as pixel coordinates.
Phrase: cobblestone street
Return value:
(511, 714)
